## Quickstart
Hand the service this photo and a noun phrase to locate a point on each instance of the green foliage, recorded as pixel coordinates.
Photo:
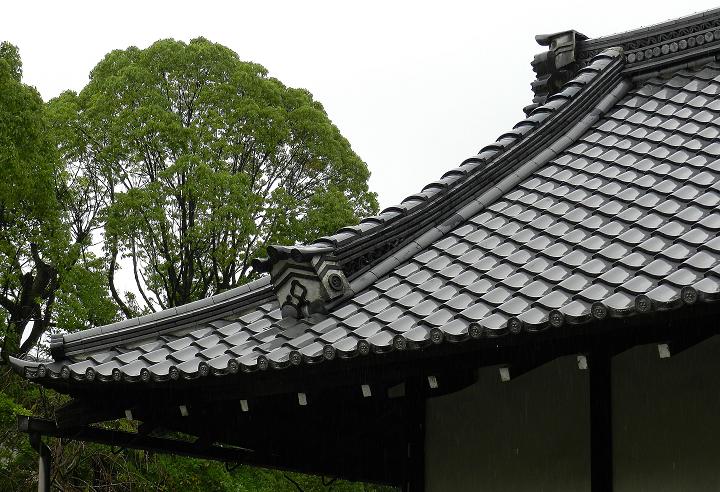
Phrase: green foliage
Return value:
(43, 240)
(17, 458)
(327, 210)
(90, 467)
(205, 160)
(186, 161)
(79, 305)
(10, 55)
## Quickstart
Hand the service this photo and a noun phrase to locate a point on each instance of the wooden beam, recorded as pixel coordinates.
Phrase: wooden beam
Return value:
(523, 364)
(274, 397)
(304, 460)
(395, 366)
(601, 442)
(82, 412)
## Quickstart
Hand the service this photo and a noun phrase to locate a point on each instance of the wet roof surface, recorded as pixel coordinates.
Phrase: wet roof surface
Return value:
(624, 221)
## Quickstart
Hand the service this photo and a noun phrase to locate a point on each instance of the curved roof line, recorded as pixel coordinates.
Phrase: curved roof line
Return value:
(378, 240)
(442, 204)
(647, 49)
(360, 247)
(559, 128)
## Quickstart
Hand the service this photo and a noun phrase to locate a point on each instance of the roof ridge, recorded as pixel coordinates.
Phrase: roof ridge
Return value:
(643, 32)
(651, 49)
(497, 189)
(438, 203)
(394, 226)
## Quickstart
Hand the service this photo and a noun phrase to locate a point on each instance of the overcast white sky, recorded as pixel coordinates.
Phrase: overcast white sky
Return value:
(415, 86)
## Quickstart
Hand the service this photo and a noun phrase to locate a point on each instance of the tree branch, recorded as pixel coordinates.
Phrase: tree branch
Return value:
(6, 303)
(39, 326)
(289, 479)
(137, 278)
(111, 281)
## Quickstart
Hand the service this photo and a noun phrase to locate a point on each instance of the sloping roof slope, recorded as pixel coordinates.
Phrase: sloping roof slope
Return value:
(604, 202)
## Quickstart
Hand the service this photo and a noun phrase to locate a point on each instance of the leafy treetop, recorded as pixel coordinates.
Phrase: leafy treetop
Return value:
(199, 161)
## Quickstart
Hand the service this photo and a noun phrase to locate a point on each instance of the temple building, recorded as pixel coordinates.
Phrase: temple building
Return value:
(541, 318)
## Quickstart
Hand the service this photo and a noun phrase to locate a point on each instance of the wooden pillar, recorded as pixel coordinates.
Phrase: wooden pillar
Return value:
(415, 412)
(44, 462)
(601, 444)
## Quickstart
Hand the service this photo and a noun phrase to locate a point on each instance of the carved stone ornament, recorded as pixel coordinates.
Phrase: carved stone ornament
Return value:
(304, 278)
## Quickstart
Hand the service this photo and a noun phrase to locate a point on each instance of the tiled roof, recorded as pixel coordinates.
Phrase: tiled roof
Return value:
(645, 50)
(616, 217)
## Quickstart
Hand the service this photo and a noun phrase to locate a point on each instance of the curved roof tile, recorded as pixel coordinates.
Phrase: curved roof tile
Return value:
(616, 218)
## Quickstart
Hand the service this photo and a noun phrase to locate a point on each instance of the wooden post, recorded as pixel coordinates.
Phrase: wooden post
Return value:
(415, 412)
(44, 462)
(601, 453)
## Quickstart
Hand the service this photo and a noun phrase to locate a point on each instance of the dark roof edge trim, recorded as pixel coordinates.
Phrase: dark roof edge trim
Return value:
(136, 329)
(496, 191)
(667, 71)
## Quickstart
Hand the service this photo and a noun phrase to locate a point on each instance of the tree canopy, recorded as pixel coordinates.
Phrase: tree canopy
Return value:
(199, 161)
(179, 162)
(46, 269)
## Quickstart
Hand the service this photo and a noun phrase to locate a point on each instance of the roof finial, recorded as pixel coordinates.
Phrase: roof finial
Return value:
(554, 67)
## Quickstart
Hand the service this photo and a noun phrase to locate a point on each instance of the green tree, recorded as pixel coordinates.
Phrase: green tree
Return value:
(46, 267)
(48, 276)
(201, 161)
(186, 161)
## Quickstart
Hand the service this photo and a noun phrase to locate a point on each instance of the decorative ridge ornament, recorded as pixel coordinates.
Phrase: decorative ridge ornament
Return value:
(304, 278)
(671, 42)
(554, 67)
(57, 346)
(646, 50)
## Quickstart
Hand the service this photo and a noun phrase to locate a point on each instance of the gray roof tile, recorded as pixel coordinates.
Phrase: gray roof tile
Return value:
(628, 215)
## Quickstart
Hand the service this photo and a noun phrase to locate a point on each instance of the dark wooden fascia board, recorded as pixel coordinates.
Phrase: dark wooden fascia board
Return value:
(682, 326)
